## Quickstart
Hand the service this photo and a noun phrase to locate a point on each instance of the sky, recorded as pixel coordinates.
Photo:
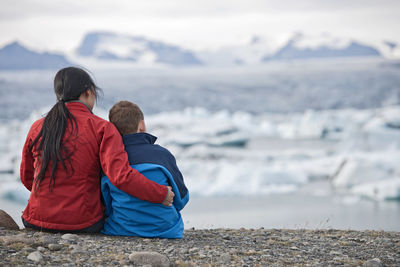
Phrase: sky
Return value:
(59, 26)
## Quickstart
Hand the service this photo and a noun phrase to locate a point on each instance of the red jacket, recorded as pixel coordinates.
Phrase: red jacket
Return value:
(74, 202)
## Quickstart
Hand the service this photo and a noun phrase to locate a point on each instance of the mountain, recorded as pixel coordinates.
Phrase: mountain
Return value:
(299, 46)
(324, 46)
(111, 46)
(246, 53)
(390, 49)
(14, 56)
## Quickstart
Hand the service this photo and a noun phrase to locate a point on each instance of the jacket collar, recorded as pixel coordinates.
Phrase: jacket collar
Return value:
(77, 105)
(138, 139)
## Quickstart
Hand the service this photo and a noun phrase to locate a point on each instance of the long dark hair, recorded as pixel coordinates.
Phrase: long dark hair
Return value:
(69, 84)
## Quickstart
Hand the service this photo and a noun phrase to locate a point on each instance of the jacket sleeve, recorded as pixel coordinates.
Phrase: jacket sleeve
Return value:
(114, 162)
(105, 194)
(27, 168)
(178, 185)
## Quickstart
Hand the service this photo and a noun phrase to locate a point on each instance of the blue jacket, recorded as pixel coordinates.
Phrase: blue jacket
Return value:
(130, 216)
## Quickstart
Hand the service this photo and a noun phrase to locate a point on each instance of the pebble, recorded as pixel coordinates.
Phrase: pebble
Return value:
(45, 239)
(225, 258)
(202, 256)
(75, 249)
(55, 247)
(333, 252)
(72, 247)
(193, 250)
(184, 251)
(338, 259)
(35, 256)
(16, 239)
(169, 250)
(149, 258)
(41, 249)
(38, 234)
(373, 263)
(28, 249)
(70, 237)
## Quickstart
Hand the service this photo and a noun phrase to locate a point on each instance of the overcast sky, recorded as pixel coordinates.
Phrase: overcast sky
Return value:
(57, 25)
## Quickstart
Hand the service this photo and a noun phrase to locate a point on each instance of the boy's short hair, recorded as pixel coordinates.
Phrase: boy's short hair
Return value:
(126, 116)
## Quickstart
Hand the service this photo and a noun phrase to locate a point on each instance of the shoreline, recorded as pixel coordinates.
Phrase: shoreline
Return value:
(207, 247)
(309, 208)
(313, 207)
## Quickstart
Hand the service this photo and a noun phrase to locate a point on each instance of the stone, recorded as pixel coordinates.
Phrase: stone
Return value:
(46, 240)
(334, 253)
(70, 237)
(27, 249)
(75, 249)
(184, 251)
(35, 256)
(7, 222)
(15, 239)
(169, 250)
(225, 258)
(149, 258)
(184, 263)
(55, 247)
(373, 263)
(41, 249)
(338, 258)
(193, 250)
(38, 234)
(227, 237)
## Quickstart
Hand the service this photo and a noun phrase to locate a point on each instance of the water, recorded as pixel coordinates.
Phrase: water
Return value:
(249, 140)
(275, 87)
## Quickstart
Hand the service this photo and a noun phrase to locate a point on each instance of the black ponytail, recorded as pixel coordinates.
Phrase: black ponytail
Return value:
(69, 84)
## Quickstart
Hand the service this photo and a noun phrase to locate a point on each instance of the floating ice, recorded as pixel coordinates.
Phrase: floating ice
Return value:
(386, 189)
(14, 191)
(224, 153)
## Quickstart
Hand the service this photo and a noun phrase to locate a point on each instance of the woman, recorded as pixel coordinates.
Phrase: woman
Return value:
(63, 156)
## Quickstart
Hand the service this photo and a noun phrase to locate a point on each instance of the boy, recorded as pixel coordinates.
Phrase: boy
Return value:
(128, 215)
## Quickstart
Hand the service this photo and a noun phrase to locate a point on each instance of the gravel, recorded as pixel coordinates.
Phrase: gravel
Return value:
(216, 247)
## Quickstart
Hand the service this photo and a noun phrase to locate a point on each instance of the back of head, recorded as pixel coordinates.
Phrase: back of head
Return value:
(126, 116)
(71, 82)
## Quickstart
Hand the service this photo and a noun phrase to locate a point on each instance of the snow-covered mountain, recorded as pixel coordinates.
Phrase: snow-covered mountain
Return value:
(112, 46)
(15, 56)
(107, 48)
(248, 53)
(302, 46)
(299, 46)
(390, 49)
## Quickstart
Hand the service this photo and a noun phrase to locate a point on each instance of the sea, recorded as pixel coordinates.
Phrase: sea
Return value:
(309, 144)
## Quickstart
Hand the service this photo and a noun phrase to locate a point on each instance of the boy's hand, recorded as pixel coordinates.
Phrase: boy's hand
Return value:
(169, 198)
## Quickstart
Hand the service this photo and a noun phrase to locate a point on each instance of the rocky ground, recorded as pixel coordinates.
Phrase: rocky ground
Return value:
(228, 247)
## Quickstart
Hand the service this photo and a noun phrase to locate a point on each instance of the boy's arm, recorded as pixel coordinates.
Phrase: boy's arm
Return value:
(178, 185)
(105, 193)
